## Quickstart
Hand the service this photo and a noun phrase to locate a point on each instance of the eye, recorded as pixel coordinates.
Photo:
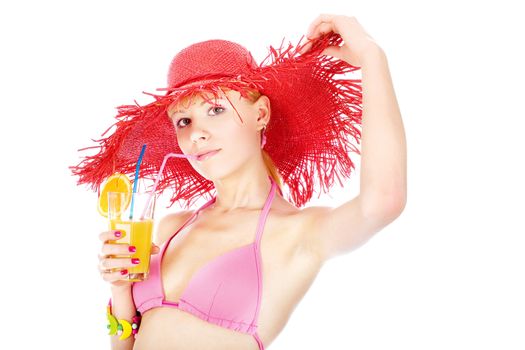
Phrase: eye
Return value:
(214, 108)
(178, 123)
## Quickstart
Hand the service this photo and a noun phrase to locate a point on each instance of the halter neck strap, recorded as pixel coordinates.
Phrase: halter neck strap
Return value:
(211, 201)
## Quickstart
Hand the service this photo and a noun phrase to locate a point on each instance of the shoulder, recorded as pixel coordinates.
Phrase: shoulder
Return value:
(168, 224)
(299, 223)
(308, 218)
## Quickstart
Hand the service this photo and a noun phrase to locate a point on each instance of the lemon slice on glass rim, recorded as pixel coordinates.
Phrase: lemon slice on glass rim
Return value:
(115, 183)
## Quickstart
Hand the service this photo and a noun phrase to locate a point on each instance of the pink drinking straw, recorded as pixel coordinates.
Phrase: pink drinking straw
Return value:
(169, 155)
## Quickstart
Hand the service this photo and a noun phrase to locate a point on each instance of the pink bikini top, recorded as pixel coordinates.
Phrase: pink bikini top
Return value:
(226, 291)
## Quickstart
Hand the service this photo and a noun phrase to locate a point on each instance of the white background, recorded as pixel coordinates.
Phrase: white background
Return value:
(448, 274)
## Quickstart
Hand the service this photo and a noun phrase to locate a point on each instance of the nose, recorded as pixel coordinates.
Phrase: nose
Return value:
(198, 135)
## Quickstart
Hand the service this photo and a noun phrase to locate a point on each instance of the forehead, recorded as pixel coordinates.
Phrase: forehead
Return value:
(198, 100)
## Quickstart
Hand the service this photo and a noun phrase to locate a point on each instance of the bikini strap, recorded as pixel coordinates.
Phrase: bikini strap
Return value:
(258, 260)
(206, 205)
(262, 218)
(192, 217)
(264, 213)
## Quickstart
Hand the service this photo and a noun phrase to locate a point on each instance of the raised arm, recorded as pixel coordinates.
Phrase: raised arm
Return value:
(383, 184)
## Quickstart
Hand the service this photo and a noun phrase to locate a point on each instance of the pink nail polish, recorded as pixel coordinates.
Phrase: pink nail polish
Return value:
(123, 272)
(132, 249)
(118, 234)
(135, 261)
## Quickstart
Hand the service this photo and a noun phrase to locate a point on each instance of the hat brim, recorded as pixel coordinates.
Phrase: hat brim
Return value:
(313, 129)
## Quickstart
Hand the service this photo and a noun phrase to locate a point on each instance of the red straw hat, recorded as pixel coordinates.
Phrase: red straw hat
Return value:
(311, 132)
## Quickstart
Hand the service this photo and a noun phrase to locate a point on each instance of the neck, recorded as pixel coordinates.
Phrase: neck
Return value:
(245, 193)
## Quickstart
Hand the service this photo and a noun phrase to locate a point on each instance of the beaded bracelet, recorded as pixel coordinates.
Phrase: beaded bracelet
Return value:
(122, 327)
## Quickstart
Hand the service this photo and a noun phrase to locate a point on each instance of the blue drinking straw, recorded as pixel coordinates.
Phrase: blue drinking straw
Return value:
(136, 181)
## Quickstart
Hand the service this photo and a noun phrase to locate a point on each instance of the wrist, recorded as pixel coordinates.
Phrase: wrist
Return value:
(372, 55)
(121, 290)
(121, 327)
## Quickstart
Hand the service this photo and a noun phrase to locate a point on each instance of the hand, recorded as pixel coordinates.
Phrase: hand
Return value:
(107, 263)
(357, 42)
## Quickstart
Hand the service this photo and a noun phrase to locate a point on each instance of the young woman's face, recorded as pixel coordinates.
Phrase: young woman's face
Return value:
(214, 125)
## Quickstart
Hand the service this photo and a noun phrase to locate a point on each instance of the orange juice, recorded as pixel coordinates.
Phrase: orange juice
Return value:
(137, 233)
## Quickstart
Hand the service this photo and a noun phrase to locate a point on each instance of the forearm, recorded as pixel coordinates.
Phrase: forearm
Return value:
(383, 145)
(122, 308)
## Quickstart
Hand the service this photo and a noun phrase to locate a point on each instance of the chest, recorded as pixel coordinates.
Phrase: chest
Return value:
(222, 243)
(205, 249)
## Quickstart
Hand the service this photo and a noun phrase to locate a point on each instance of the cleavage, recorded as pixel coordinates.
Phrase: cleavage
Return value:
(198, 244)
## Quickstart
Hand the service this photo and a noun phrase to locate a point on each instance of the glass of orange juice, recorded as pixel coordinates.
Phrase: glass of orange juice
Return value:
(134, 219)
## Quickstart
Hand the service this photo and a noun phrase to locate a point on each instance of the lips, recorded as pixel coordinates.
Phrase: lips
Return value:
(206, 155)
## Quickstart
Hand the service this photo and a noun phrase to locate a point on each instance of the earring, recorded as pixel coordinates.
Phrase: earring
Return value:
(263, 141)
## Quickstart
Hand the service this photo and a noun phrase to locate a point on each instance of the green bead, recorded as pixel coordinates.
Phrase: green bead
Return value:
(119, 327)
(113, 324)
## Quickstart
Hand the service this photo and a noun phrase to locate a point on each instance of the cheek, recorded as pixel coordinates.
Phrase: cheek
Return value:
(243, 142)
(182, 143)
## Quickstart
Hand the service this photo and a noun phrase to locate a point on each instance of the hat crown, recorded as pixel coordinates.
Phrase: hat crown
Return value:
(209, 59)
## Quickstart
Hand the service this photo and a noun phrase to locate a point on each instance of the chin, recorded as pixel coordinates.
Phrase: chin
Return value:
(222, 171)
(213, 173)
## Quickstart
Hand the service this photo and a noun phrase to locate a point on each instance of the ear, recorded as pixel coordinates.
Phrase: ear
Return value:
(264, 110)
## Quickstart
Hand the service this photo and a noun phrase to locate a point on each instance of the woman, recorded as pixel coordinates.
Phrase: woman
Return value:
(218, 273)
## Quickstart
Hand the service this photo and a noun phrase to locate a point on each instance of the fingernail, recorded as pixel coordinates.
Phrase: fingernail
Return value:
(135, 261)
(132, 249)
(118, 234)
(123, 272)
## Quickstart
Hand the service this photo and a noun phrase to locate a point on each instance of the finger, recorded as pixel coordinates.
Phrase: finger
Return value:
(321, 29)
(155, 249)
(333, 51)
(110, 235)
(116, 249)
(306, 47)
(321, 18)
(112, 276)
(116, 263)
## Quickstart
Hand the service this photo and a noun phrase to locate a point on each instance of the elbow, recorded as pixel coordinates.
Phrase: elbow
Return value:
(398, 202)
(386, 207)
(397, 207)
